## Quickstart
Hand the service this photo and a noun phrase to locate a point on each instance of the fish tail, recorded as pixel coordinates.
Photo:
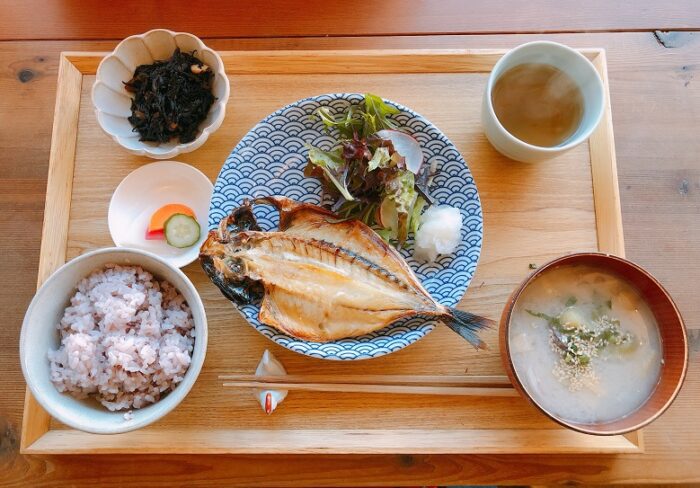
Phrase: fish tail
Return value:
(468, 325)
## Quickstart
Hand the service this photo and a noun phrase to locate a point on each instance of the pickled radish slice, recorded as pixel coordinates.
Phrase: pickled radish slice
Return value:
(155, 235)
(406, 146)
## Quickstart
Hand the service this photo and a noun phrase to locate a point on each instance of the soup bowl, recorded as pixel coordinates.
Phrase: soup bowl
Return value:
(674, 342)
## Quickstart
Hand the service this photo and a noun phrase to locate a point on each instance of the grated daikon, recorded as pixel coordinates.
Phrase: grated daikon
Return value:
(440, 232)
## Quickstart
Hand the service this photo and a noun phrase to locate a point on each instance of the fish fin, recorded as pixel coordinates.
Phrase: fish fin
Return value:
(290, 211)
(272, 314)
(468, 325)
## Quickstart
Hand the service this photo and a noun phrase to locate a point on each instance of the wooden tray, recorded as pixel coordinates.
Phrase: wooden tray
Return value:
(532, 213)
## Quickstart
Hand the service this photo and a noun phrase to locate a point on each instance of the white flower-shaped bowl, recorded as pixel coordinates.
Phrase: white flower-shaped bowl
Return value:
(113, 103)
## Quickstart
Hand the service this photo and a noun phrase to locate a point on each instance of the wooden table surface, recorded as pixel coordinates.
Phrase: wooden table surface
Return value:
(653, 57)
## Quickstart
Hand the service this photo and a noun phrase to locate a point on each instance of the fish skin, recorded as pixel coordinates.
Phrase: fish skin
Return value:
(317, 291)
(323, 278)
(312, 221)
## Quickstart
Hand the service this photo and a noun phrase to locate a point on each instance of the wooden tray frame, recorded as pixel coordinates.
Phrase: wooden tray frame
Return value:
(37, 438)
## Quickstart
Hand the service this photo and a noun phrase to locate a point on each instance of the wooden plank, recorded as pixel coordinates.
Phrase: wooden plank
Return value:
(604, 171)
(495, 381)
(344, 61)
(360, 61)
(341, 441)
(656, 108)
(92, 19)
(60, 177)
(56, 215)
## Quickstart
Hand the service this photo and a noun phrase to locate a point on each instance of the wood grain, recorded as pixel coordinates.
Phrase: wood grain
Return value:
(656, 105)
(54, 235)
(93, 19)
(376, 379)
(348, 61)
(606, 189)
(340, 441)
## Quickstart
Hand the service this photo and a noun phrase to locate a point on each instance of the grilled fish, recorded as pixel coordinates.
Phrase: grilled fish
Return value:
(320, 278)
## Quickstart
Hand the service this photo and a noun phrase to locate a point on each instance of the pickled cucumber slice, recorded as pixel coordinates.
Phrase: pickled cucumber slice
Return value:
(182, 231)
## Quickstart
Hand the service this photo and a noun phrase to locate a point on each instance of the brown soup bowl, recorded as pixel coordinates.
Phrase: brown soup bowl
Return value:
(671, 328)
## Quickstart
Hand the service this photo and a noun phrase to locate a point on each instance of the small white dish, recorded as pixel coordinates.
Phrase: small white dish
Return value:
(39, 335)
(144, 191)
(113, 103)
(570, 61)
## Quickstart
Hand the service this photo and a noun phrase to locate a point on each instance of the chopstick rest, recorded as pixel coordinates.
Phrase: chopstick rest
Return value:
(271, 384)
(269, 365)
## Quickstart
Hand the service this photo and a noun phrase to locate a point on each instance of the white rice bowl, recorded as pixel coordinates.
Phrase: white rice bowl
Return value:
(126, 339)
(42, 343)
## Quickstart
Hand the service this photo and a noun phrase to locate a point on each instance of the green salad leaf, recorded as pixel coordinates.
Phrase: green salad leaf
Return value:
(347, 124)
(380, 159)
(363, 170)
(401, 189)
(416, 214)
(376, 115)
(333, 166)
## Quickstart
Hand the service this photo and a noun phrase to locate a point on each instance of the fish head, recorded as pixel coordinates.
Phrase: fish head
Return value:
(218, 256)
(240, 219)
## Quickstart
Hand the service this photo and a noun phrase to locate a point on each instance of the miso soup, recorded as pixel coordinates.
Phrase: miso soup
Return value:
(585, 345)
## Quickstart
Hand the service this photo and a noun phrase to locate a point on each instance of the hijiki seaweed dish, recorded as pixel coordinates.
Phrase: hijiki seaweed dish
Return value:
(171, 98)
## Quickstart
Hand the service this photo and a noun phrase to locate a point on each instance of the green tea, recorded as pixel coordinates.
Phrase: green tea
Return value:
(538, 104)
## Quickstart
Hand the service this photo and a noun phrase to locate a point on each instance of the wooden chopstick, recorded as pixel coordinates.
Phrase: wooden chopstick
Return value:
(387, 389)
(427, 380)
(400, 384)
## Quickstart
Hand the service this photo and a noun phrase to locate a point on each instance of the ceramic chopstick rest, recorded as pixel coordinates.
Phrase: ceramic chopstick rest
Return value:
(270, 366)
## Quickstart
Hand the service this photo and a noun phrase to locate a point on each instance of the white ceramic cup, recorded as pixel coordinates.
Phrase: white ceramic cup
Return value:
(570, 61)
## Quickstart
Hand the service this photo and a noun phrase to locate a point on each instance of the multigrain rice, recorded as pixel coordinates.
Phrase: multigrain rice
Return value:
(126, 339)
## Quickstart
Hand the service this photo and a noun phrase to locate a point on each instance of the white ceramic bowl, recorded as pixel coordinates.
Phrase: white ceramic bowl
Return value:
(570, 61)
(144, 191)
(113, 103)
(39, 334)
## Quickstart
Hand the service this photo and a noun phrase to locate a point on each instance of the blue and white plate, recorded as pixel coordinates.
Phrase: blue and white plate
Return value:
(270, 160)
